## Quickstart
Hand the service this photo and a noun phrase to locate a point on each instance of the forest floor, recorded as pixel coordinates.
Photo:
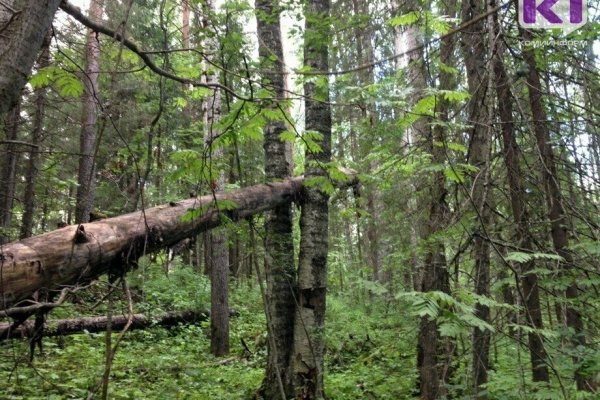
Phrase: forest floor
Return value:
(370, 350)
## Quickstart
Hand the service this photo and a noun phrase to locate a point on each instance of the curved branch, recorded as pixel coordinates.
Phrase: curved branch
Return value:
(76, 13)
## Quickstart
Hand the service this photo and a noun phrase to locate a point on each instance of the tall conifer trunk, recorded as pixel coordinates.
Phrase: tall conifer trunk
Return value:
(86, 180)
(479, 116)
(8, 169)
(554, 201)
(216, 249)
(521, 217)
(434, 355)
(33, 165)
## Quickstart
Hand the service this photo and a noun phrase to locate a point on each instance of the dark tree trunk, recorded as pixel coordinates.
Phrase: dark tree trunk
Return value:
(24, 24)
(434, 354)
(9, 170)
(89, 115)
(33, 165)
(307, 357)
(529, 280)
(279, 248)
(478, 77)
(554, 200)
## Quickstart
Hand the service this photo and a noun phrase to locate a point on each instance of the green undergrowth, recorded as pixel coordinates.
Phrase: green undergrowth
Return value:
(370, 343)
(369, 351)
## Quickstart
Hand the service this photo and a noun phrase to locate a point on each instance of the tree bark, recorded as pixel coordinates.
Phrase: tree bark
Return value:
(23, 24)
(73, 254)
(9, 171)
(33, 165)
(86, 180)
(554, 202)
(433, 354)
(280, 265)
(406, 39)
(529, 280)
(478, 77)
(185, 26)
(217, 251)
(307, 357)
(63, 327)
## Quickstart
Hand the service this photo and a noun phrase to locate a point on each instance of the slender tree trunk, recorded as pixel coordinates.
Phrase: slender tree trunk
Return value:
(408, 38)
(475, 54)
(9, 170)
(217, 251)
(528, 279)
(87, 142)
(307, 357)
(33, 165)
(433, 354)
(279, 248)
(365, 119)
(185, 26)
(554, 200)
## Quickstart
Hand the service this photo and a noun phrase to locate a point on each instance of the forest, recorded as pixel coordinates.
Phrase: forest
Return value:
(316, 199)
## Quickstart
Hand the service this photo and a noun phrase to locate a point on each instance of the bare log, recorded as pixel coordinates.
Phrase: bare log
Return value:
(63, 327)
(76, 254)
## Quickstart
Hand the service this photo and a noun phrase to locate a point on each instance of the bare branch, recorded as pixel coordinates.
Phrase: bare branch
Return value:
(76, 13)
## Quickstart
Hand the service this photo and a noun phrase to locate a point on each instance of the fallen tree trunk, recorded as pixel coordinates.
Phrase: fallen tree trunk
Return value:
(63, 327)
(76, 254)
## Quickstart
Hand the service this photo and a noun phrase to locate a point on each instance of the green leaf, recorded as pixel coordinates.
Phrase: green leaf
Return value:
(404, 20)
(287, 136)
(447, 69)
(43, 77)
(181, 102)
(198, 93)
(312, 141)
(518, 256)
(521, 257)
(69, 85)
(322, 182)
(454, 175)
(454, 95)
(226, 205)
(425, 106)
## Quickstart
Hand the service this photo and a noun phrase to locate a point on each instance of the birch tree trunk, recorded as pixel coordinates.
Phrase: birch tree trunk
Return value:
(307, 357)
(89, 115)
(279, 247)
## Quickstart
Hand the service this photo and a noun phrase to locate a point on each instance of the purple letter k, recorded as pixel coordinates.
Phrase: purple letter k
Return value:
(545, 8)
